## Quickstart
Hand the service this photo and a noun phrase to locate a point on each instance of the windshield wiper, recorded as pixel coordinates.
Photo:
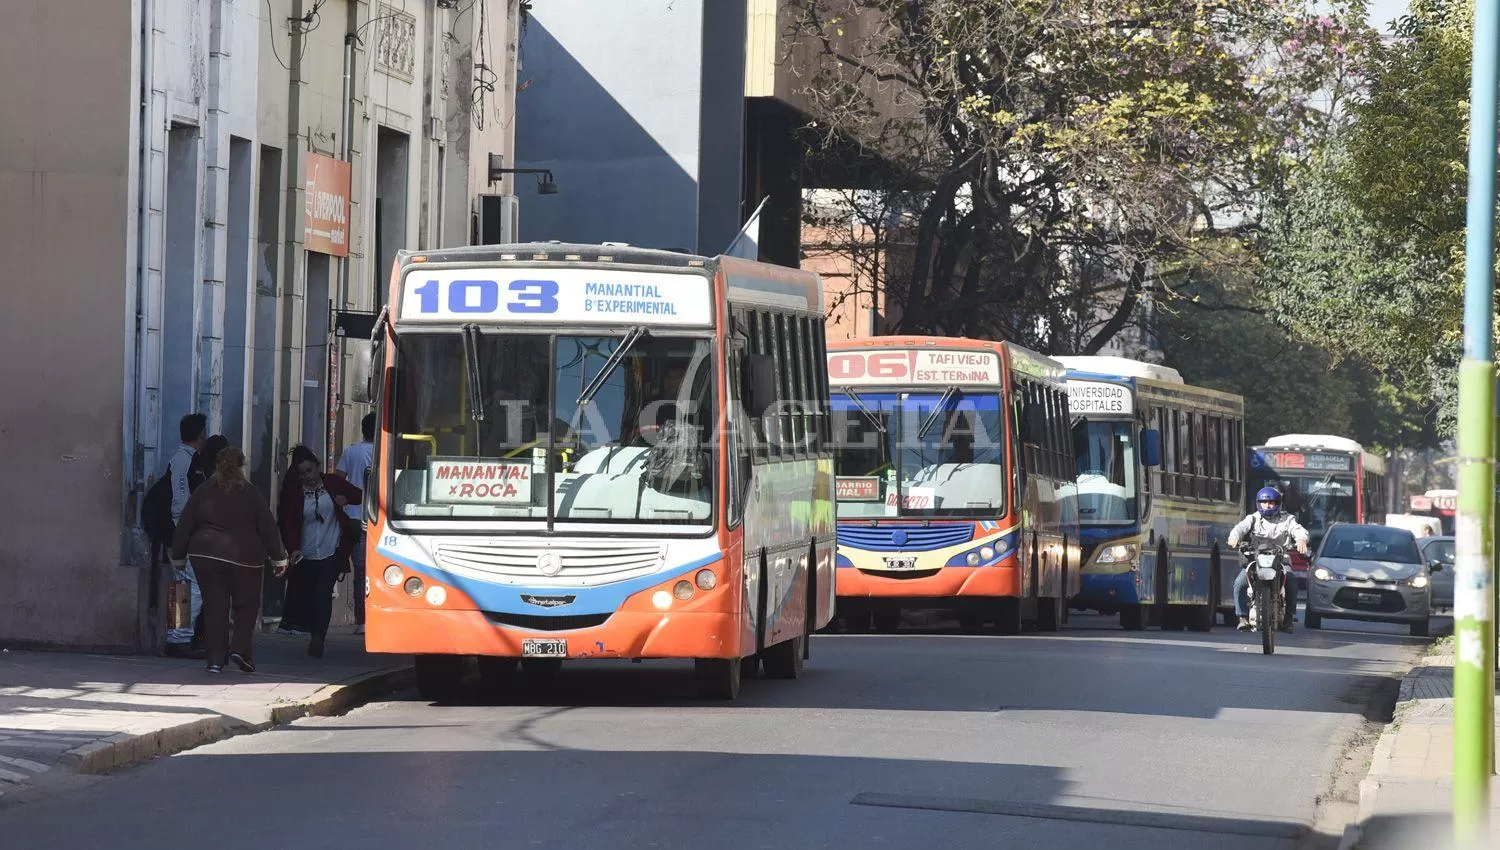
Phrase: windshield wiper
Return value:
(471, 363)
(949, 396)
(865, 411)
(610, 365)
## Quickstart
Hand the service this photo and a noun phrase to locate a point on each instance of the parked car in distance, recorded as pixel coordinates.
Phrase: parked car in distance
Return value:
(1369, 572)
(1438, 553)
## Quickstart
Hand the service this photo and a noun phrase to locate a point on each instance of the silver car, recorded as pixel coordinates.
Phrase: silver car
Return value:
(1369, 572)
(1438, 553)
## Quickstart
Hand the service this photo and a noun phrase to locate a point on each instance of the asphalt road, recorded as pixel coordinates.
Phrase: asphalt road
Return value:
(1089, 738)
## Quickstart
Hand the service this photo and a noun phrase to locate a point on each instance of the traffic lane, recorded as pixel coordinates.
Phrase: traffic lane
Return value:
(941, 732)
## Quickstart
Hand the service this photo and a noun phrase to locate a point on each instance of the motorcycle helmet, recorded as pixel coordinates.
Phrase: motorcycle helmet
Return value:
(1268, 494)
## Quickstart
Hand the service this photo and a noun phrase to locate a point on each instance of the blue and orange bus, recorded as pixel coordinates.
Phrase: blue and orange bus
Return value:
(955, 482)
(1160, 476)
(599, 451)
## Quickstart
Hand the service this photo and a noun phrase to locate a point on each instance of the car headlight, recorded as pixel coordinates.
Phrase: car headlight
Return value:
(1119, 553)
(1420, 581)
(1322, 574)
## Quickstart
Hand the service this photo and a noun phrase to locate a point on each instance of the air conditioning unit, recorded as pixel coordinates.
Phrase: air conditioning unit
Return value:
(496, 222)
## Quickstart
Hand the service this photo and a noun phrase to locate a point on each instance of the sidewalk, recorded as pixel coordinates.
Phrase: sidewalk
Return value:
(65, 713)
(1407, 800)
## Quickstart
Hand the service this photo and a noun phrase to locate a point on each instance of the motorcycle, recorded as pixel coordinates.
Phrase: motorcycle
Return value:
(1266, 565)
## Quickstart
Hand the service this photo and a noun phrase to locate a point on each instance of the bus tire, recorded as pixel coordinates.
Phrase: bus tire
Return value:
(439, 676)
(971, 619)
(887, 620)
(1048, 614)
(1008, 615)
(1172, 617)
(1132, 617)
(718, 678)
(784, 660)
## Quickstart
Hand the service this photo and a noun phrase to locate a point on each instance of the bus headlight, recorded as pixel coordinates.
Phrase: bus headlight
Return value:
(393, 575)
(987, 553)
(706, 580)
(1120, 553)
(683, 590)
(437, 594)
(414, 586)
(662, 600)
(973, 559)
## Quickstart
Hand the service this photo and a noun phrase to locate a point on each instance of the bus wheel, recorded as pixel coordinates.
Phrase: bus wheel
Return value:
(971, 619)
(749, 667)
(1201, 617)
(718, 678)
(497, 675)
(1008, 615)
(1172, 618)
(1132, 618)
(887, 620)
(439, 676)
(1049, 614)
(784, 660)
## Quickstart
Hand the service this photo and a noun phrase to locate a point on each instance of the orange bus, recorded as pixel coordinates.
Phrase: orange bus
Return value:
(599, 451)
(955, 485)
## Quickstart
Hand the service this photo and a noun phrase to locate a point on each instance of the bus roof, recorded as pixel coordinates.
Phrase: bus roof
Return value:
(1016, 357)
(1121, 367)
(1313, 441)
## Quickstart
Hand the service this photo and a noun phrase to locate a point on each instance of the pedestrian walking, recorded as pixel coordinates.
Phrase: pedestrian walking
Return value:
(354, 465)
(228, 534)
(181, 642)
(320, 537)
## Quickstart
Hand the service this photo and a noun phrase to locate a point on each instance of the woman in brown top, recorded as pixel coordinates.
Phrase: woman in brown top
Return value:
(229, 533)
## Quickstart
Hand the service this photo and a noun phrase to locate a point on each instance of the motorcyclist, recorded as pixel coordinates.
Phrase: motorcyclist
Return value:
(1269, 522)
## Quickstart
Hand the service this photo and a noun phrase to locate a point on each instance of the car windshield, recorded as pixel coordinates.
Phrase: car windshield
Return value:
(553, 427)
(888, 466)
(1105, 453)
(1439, 549)
(1371, 543)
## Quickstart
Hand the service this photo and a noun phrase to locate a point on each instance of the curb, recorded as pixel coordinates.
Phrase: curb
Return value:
(124, 749)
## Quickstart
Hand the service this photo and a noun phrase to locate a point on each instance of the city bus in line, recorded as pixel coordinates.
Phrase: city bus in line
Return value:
(599, 451)
(1323, 479)
(1160, 468)
(1441, 504)
(954, 482)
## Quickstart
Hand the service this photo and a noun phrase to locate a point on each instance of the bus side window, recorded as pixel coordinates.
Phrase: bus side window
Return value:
(756, 426)
(820, 369)
(797, 363)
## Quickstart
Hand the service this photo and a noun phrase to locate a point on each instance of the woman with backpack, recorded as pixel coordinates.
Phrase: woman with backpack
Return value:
(320, 537)
(228, 532)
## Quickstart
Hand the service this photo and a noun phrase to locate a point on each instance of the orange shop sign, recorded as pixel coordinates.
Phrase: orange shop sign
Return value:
(326, 206)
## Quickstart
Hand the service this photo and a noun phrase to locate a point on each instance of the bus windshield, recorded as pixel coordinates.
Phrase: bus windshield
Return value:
(490, 424)
(1105, 453)
(888, 467)
(1317, 500)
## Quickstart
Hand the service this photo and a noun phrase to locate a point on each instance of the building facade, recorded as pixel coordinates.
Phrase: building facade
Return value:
(199, 189)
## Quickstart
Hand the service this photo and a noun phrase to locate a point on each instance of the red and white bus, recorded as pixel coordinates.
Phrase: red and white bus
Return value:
(1323, 479)
(955, 482)
(1441, 504)
(598, 451)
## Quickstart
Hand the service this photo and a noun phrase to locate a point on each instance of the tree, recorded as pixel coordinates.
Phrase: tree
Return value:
(1054, 158)
(1365, 255)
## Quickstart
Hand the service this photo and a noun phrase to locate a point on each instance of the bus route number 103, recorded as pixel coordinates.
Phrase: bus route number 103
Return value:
(480, 297)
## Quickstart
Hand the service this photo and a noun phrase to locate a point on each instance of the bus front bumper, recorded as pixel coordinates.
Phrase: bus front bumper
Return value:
(998, 580)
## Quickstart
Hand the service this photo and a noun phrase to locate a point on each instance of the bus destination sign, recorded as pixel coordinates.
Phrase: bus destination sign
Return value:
(1099, 398)
(1311, 461)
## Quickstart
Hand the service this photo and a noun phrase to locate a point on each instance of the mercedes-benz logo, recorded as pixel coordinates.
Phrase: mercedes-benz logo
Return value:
(548, 564)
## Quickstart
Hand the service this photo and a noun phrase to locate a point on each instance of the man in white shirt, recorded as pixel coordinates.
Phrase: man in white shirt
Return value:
(354, 466)
(193, 431)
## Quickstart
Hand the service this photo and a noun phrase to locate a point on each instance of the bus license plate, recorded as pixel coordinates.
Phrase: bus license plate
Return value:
(1370, 598)
(544, 648)
(900, 563)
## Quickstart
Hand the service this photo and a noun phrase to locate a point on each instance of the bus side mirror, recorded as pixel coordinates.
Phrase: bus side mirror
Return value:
(363, 391)
(1150, 447)
(757, 383)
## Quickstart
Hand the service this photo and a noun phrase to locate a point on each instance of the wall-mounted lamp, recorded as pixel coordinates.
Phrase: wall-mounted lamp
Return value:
(546, 184)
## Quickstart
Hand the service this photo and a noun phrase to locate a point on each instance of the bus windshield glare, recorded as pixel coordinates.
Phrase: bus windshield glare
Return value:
(1318, 501)
(636, 449)
(1105, 453)
(889, 467)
